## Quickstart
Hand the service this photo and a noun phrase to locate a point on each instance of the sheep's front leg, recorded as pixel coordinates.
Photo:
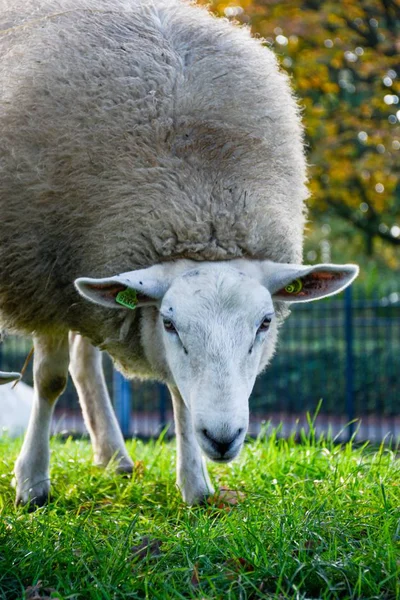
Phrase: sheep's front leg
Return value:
(86, 369)
(50, 371)
(191, 474)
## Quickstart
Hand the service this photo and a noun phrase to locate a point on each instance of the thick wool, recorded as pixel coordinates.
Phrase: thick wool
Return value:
(134, 132)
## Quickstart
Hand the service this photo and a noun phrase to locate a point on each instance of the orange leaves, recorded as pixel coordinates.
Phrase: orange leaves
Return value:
(330, 87)
(195, 578)
(343, 58)
(225, 498)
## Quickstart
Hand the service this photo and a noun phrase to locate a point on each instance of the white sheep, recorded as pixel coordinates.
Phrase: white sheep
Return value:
(148, 138)
(7, 377)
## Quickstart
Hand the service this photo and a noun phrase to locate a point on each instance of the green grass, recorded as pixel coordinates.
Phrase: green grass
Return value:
(318, 521)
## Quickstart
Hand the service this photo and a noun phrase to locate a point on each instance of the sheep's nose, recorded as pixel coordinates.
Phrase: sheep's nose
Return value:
(222, 444)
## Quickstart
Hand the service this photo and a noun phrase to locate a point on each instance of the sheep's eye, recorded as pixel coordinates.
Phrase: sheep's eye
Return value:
(169, 326)
(264, 325)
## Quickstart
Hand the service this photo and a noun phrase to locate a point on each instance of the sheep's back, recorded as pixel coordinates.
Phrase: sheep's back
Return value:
(134, 132)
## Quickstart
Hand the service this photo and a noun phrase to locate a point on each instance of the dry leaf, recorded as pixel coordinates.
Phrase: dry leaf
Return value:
(140, 468)
(238, 564)
(195, 579)
(147, 547)
(225, 498)
(37, 592)
(310, 545)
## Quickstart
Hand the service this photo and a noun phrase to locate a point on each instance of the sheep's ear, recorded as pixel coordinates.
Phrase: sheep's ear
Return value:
(7, 377)
(303, 283)
(144, 287)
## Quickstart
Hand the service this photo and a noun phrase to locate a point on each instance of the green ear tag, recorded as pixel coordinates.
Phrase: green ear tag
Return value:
(295, 287)
(127, 298)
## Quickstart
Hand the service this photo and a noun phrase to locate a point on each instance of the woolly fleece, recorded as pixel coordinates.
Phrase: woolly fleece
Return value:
(134, 132)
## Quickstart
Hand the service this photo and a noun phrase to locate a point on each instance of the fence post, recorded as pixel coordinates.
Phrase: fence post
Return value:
(349, 373)
(122, 401)
(163, 394)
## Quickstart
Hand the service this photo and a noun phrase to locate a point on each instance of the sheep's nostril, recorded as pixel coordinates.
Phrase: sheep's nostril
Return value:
(221, 445)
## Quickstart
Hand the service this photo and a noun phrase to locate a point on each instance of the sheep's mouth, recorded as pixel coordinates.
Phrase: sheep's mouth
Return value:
(225, 458)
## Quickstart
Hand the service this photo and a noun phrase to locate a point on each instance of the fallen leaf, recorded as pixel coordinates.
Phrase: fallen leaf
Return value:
(195, 579)
(37, 592)
(140, 468)
(238, 564)
(309, 545)
(225, 498)
(147, 547)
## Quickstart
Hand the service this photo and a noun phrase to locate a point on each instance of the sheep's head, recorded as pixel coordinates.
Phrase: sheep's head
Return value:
(214, 329)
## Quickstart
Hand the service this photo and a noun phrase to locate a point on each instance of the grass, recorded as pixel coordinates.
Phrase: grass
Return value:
(318, 521)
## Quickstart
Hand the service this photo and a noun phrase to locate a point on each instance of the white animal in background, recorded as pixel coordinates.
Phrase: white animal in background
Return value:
(7, 377)
(151, 162)
(15, 404)
(15, 408)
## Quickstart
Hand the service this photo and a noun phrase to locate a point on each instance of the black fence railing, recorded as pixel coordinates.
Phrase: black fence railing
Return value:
(343, 350)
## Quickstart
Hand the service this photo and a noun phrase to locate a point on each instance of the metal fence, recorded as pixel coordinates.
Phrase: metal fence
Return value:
(343, 351)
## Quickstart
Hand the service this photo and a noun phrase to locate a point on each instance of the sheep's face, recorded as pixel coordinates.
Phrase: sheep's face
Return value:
(218, 330)
(215, 329)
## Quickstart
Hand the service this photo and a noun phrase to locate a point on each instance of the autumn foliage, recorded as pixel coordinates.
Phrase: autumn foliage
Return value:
(344, 60)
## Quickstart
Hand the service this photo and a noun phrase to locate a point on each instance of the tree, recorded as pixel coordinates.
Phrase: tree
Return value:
(344, 57)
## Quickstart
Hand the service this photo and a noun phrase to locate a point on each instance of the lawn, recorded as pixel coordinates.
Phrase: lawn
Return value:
(316, 520)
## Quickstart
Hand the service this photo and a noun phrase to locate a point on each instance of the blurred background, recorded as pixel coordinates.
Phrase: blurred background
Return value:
(342, 354)
(343, 59)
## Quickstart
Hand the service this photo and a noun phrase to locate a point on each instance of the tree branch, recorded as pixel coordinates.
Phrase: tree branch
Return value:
(371, 227)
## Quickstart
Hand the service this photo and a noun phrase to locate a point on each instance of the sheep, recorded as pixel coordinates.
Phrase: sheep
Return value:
(8, 377)
(153, 188)
(15, 406)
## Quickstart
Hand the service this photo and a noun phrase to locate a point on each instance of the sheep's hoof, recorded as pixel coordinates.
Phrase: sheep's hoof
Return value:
(125, 470)
(33, 499)
(198, 497)
(121, 465)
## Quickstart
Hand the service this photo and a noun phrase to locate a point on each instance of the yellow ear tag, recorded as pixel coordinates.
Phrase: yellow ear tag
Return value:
(294, 287)
(127, 298)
